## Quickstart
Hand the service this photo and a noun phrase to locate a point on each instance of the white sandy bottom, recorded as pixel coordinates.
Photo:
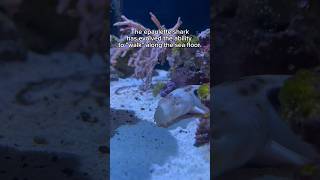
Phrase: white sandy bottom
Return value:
(144, 151)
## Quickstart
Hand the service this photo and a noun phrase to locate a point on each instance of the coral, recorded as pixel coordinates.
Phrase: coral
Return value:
(144, 59)
(204, 54)
(300, 96)
(203, 39)
(203, 131)
(183, 76)
(91, 27)
(191, 65)
(168, 88)
(204, 92)
(157, 88)
(88, 17)
(114, 40)
(178, 49)
(308, 171)
(264, 37)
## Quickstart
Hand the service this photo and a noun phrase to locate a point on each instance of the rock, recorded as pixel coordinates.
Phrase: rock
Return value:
(264, 37)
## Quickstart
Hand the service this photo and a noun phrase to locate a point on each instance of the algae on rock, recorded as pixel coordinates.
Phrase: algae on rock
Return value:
(300, 96)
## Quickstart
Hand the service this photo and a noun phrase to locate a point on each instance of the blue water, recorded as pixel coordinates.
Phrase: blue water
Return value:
(194, 14)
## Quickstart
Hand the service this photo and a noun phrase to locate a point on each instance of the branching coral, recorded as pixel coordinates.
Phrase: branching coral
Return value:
(188, 65)
(91, 14)
(144, 59)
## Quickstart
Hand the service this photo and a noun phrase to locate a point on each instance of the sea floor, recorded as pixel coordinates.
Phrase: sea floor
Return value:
(140, 150)
(53, 118)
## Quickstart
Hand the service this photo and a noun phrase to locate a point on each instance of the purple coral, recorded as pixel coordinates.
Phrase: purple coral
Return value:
(183, 76)
(168, 88)
(203, 132)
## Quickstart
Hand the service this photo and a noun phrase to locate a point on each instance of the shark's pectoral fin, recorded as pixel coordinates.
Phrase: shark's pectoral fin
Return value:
(276, 154)
(199, 110)
(198, 107)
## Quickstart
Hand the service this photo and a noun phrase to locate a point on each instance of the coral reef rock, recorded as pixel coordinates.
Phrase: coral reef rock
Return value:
(203, 132)
(264, 37)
